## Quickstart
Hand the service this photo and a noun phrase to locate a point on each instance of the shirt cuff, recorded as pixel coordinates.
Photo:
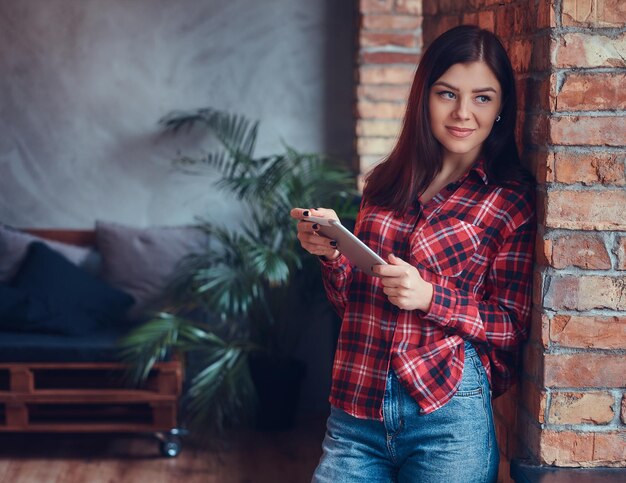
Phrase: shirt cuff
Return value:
(339, 264)
(442, 305)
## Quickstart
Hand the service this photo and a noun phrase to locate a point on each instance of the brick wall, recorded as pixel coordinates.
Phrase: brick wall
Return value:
(570, 62)
(388, 49)
(576, 414)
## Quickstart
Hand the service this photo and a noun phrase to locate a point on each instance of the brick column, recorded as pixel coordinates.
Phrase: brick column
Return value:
(569, 57)
(389, 47)
(576, 394)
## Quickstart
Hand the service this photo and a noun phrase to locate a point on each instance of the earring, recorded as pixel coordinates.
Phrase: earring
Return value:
(498, 119)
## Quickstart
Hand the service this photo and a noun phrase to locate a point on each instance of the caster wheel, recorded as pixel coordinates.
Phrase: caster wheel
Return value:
(171, 446)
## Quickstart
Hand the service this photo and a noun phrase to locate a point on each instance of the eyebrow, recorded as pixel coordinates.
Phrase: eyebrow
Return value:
(481, 89)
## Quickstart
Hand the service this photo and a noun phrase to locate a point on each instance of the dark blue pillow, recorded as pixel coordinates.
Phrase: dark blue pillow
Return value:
(74, 301)
(20, 311)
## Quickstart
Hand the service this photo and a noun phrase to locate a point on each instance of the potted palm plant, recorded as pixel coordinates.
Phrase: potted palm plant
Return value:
(236, 305)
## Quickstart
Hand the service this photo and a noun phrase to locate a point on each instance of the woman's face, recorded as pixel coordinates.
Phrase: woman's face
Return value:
(463, 105)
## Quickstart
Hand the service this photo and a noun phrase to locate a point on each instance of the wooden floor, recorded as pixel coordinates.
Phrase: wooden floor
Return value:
(242, 457)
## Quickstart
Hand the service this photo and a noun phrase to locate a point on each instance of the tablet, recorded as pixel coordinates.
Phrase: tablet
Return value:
(347, 243)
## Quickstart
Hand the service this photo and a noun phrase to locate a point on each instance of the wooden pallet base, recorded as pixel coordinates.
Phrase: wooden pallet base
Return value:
(87, 397)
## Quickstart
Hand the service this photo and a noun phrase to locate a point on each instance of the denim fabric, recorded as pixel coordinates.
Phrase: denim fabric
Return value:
(454, 444)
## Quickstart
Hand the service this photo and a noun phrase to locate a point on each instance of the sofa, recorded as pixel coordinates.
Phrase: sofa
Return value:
(66, 298)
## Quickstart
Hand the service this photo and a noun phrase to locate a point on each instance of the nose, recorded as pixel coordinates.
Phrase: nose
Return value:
(462, 109)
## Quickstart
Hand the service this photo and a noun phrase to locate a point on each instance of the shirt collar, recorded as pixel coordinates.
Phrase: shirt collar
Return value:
(479, 169)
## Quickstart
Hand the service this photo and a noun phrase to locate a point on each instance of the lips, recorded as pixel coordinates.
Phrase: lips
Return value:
(459, 132)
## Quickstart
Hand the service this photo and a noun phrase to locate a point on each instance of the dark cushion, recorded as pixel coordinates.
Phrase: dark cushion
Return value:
(98, 346)
(18, 310)
(14, 245)
(75, 301)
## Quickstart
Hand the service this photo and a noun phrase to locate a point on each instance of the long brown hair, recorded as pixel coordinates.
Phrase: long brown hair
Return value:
(416, 158)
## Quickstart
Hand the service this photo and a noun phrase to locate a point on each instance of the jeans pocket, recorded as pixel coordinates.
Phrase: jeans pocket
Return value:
(472, 378)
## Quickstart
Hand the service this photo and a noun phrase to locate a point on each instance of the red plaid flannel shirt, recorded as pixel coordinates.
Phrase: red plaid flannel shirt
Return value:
(474, 242)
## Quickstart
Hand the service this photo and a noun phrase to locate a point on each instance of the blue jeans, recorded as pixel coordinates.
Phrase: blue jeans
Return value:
(454, 444)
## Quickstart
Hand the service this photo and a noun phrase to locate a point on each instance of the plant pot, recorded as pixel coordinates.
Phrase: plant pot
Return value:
(278, 381)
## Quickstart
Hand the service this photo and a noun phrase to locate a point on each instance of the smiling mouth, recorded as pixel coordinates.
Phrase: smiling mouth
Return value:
(459, 132)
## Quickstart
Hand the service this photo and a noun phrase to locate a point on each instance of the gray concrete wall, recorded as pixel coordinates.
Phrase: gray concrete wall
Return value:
(83, 83)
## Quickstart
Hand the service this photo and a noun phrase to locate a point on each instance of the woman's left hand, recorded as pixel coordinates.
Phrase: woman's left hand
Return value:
(403, 285)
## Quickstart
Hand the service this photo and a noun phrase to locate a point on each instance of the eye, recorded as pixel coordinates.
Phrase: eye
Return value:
(483, 99)
(446, 94)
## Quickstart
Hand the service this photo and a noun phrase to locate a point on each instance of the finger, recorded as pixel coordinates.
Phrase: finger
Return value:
(324, 213)
(296, 213)
(317, 241)
(391, 270)
(394, 260)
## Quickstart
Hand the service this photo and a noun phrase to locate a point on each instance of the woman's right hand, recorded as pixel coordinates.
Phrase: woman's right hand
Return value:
(312, 241)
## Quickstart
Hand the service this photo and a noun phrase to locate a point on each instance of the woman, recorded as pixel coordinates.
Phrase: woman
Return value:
(425, 343)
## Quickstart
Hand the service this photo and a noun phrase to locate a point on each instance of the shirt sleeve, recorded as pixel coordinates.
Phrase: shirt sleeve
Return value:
(336, 275)
(501, 319)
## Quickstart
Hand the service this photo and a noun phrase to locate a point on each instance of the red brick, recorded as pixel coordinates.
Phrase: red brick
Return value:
(374, 146)
(505, 21)
(377, 128)
(623, 414)
(383, 93)
(586, 210)
(412, 7)
(589, 168)
(582, 251)
(609, 448)
(582, 92)
(378, 39)
(449, 6)
(590, 50)
(523, 20)
(386, 75)
(380, 110)
(590, 331)
(584, 370)
(585, 292)
(542, 164)
(390, 22)
(375, 6)
(541, 56)
(569, 448)
(486, 20)
(445, 23)
(546, 16)
(593, 13)
(520, 54)
(470, 18)
(594, 131)
(581, 408)
(389, 58)
(620, 251)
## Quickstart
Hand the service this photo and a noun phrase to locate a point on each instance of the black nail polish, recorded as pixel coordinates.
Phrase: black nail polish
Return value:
(305, 213)
(315, 226)
(333, 244)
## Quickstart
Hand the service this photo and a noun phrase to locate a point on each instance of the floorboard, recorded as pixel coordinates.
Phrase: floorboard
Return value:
(239, 457)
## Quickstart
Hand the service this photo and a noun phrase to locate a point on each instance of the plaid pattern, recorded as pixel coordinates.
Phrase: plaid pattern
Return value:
(474, 242)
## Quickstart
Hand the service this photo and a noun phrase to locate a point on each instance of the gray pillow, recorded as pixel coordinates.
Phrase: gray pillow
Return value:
(14, 245)
(142, 261)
